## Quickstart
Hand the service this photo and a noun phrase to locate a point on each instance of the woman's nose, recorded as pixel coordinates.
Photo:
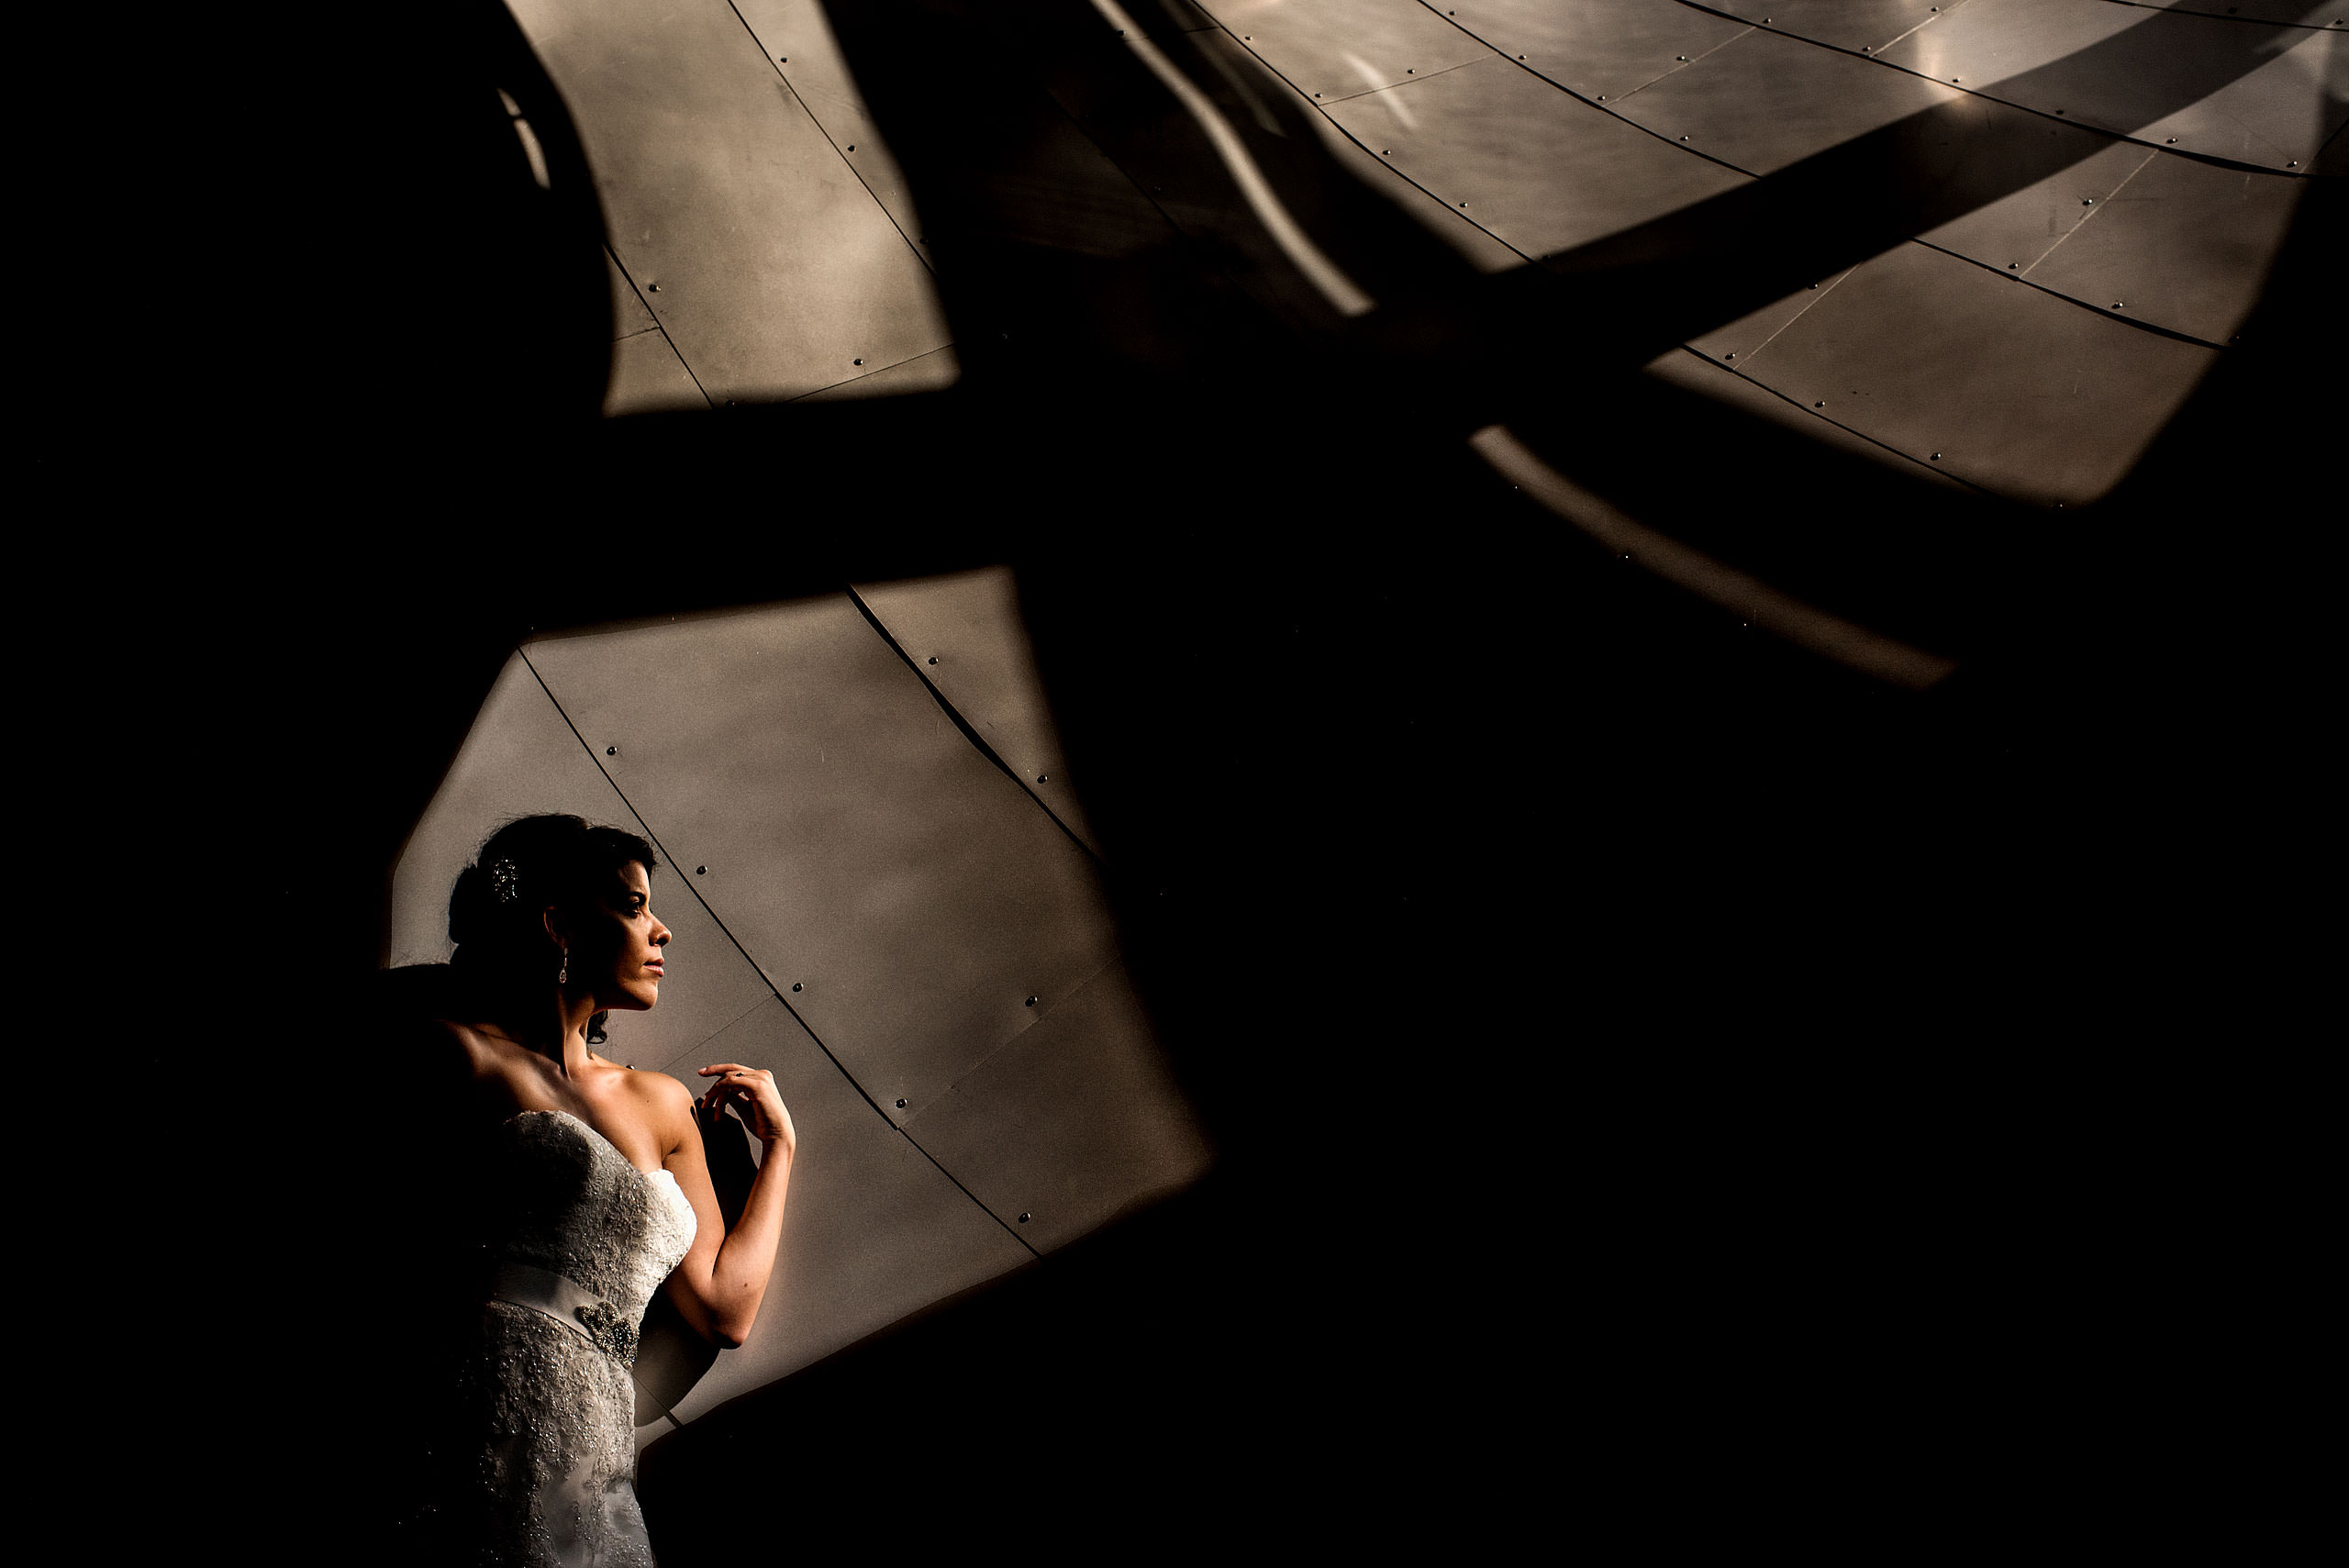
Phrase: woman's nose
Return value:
(661, 936)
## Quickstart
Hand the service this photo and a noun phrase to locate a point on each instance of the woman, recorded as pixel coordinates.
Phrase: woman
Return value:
(590, 1192)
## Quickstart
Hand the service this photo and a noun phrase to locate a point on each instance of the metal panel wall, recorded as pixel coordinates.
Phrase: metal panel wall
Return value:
(765, 257)
(1334, 50)
(892, 888)
(1603, 48)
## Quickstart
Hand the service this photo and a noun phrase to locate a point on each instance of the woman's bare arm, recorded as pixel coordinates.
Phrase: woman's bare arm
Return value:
(723, 1278)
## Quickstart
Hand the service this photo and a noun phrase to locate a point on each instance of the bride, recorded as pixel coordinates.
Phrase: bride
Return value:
(588, 1191)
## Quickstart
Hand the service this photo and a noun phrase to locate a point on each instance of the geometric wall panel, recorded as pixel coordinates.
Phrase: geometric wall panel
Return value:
(873, 1230)
(2014, 389)
(964, 633)
(912, 905)
(1334, 50)
(1599, 48)
(1122, 1133)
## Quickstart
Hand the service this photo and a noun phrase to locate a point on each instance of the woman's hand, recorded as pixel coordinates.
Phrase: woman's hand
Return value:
(752, 1093)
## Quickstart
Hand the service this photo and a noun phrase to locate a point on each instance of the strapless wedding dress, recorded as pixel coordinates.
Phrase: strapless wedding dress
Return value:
(580, 1240)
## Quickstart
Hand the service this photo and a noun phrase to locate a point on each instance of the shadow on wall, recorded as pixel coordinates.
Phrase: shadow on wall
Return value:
(1515, 915)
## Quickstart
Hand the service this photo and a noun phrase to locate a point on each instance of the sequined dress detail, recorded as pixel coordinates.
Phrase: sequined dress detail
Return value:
(581, 1238)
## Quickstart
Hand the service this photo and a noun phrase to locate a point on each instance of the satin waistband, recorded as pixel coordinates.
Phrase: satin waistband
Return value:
(568, 1303)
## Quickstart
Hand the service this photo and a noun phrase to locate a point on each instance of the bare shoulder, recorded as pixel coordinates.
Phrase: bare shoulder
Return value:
(668, 1105)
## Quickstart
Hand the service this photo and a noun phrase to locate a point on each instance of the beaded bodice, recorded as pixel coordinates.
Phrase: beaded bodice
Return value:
(569, 1203)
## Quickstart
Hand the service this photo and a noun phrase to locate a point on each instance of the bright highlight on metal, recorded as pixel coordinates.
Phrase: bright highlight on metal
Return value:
(1753, 600)
(1340, 290)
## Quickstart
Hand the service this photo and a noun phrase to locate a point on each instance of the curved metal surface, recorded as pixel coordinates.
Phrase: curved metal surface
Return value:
(2223, 88)
(1335, 49)
(1602, 49)
(776, 268)
(964, 635)
(874, 1230)
(2018, 391)
(1844, 24)
(906, 897)
(1531, 165)
(1764, 101)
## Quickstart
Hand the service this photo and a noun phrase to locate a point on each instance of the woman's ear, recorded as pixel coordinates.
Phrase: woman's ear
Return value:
(548, 918)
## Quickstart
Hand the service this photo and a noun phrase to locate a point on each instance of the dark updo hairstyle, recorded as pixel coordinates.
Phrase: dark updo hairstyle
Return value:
(528, 865)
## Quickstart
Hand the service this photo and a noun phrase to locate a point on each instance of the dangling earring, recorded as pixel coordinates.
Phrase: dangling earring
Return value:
(563, 974)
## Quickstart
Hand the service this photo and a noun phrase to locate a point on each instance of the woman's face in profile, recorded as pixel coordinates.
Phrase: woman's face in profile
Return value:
(636, 940)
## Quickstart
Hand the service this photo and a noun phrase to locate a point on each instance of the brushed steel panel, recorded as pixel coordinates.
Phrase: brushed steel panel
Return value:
(872, 1231)
(1071, 1123)
(629, 314)
(1334, 50)
(1531, 165)
(859, 848)
(1845, 24)
(776, 268)
(2017, 230)
(2019, 391)
(1445, 222)
(1692, 371)
(2249, 92)
(1598, 47)
(2185, 245)
(933, 371)
(964, 635)
(1738, 339)
(649, 378)
(1764, 101)
(522, 758)
(797, 36)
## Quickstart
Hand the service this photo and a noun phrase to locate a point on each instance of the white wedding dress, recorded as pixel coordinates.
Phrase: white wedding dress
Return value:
(580, 1240)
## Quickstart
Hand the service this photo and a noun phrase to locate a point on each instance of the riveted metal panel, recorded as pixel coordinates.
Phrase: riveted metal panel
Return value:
(795, 35)
(2185, 245)
(2226, 88)
(774, 267)
(649, 378)
(1439, 218)
(860, 848)
(2014, 231)
(927, 373)
(965, 638)
(1335, 49)
(1739, 338)
(1693, 372)
(2019, 391)
(1599, 48)
(629, 314)
(1071, 1123)
(1529, 163)
(1845, 24)
(1764, 101)
(519, 759)
(872, 1230)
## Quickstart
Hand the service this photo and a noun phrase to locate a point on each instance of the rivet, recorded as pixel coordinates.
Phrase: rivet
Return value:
(1316, 94)
(2087, 201)
(1819, 405)
(2117, 305)
(1679, 57)
(1952, 81)
(1625, 556)
(1684, 139)
(611, 751)
(2059, 111)
(901, 1105)
(2293, 164)
(795, 985)
(1030, 1001)
(851, 147)
(1729, 356)
(655, 287)
(1023, 1220)
(2172, 141)
(933, 658)
(1410, 70)
(2014, 266)
(701, 870)
(1937, 457)
(1043, 778)
(856, 361)
(783, 60)
(1386, 152)
(1602, 97)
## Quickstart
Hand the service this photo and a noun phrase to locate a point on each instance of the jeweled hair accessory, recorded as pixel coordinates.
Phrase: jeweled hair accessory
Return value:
(505, 881)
